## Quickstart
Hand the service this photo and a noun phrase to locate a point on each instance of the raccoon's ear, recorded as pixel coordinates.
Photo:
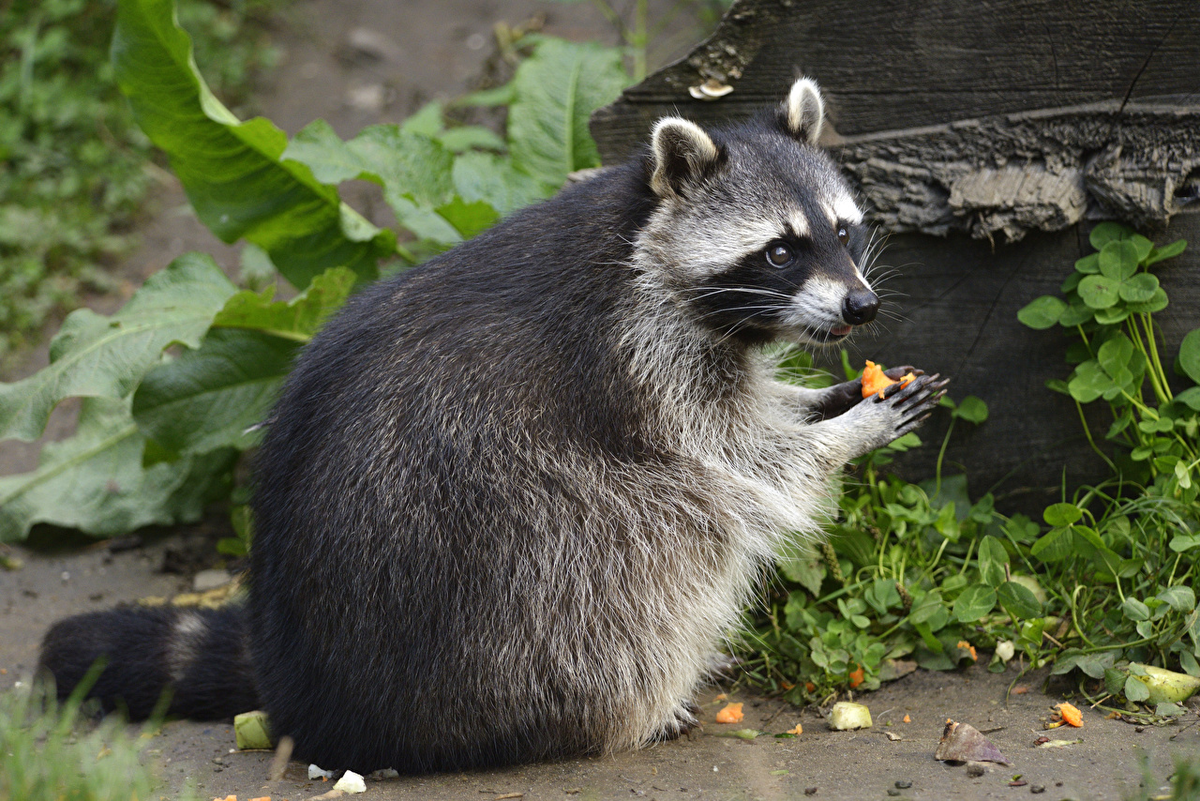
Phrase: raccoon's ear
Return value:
(804, 111)
(683, 154)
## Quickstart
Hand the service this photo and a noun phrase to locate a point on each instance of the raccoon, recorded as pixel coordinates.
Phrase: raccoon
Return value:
(511, 502)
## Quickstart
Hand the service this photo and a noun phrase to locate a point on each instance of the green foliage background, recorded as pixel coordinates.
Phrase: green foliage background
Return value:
(73, 165)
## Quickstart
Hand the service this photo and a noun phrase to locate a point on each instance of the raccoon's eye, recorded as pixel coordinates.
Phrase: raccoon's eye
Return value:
(843, 235)
(779, 254)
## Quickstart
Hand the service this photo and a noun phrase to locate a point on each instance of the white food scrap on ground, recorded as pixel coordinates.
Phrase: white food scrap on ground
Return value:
(351, 782)
(845, 716)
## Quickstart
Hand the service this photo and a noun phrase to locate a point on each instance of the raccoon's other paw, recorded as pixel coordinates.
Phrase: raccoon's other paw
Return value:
(841, 398)
(683, 722)
(876, 421)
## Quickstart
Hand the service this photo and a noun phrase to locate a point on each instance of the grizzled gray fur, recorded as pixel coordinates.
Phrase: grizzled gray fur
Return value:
(511, 502)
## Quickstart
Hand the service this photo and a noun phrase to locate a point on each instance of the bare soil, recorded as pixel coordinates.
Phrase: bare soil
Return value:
(358, 62)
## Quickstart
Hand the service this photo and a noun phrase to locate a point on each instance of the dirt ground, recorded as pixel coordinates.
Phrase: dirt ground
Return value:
(357, 62)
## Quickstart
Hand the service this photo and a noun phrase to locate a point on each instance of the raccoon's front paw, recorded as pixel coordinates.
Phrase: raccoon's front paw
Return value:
(901, 409)
(841, 398)
(912, 403)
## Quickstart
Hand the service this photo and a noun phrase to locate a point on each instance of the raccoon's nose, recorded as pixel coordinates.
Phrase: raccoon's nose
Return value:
(860, 307)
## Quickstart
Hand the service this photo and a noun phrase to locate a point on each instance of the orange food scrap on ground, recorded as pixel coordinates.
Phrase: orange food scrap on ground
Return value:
(1070, 714)
(1020, 689)
(227, 798)
(722, 697)
(856, 677)
(875, 381)
(798, 730)
(787, 685)
(810, 687)
(907, 719)
(968, 647)
(263, 798)
(731, 713)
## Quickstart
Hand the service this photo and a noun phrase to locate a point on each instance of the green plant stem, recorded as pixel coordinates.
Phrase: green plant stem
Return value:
(1148, 324)
(937, 487)
(1088, 433)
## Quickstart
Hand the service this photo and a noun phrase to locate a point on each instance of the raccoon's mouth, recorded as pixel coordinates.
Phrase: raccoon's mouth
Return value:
(827, 336)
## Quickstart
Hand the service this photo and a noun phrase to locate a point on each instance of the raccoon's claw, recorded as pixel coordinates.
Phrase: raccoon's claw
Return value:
(685, 722)
(916, 400)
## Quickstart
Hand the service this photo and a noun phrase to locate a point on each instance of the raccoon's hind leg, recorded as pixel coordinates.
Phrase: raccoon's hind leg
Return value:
(196, 655)
(684, 722)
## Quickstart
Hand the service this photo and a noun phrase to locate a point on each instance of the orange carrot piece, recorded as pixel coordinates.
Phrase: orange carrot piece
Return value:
(732, 713)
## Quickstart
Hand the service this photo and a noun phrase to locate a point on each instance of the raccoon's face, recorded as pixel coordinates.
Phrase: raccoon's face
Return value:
(756, 231)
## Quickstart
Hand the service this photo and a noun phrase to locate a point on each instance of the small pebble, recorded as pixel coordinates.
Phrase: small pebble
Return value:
(904, 785)
(893, 792)
(1037, 788)
(810, 790)
(975, 770)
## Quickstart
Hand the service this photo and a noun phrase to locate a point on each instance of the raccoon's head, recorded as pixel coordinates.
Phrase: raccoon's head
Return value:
(755, 230)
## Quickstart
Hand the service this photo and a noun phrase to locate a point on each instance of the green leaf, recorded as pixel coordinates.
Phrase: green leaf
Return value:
(1062, 514)
(95, 481)
(974, 603)
(1076, 313)
(1114, 355)
(1118, 260)
(556, 91)
(1107, 232)
(1190, 398)
(1056, 545)
(1042, 313)
(1089, 382)
(1098, 291)
(992, 559)
(1111, 315)
(297, 319)
(209, 398)
(1142, 246)
(468, 219)
(1166, 252)
(1189, 355)
(1135, 689)
(1156, 304)
(414, 171)
(1088, 265)
(1139, 289)
(1019, 601)
(806, 568)
(231, 170)
(95, 356)
(1135, 610)
(972, 409)
(1180, 598)
(490, 178)
(471, 137)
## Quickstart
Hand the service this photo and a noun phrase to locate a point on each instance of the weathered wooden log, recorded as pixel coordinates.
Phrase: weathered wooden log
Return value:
(986, 138)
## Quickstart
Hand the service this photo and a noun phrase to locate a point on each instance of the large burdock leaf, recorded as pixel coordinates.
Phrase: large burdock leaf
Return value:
(296, 319)
(214, 397)
(231, 170)
(96, 481)
(555, 93)
(97, 356)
